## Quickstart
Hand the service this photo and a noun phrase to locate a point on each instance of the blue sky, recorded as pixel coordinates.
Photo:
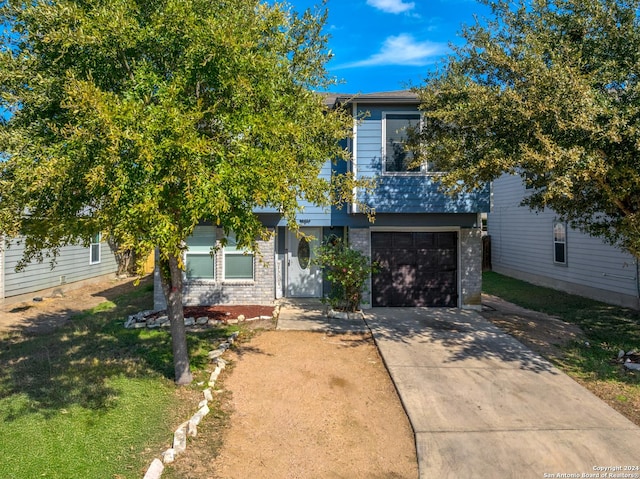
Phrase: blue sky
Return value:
(382, 45)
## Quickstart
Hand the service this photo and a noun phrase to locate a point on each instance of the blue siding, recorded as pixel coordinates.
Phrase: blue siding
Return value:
(311, 214)
(403, 193)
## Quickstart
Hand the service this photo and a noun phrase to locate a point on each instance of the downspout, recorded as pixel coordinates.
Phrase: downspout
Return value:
(637, 284)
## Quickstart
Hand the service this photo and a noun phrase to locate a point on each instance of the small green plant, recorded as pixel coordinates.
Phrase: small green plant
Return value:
(347, 270)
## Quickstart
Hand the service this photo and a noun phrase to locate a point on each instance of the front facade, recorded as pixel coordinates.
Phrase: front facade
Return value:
(428, 245)
(74, 265)
(539, 248)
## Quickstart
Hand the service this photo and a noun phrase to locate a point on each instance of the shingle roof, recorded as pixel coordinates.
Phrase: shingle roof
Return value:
(397, 96)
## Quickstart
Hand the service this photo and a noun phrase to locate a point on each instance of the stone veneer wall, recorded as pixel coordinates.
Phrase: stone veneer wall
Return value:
(471, 267)
(260, 290)
(360, 239)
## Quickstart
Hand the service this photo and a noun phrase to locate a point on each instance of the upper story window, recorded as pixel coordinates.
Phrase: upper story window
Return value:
(559, 242)
(199, 260)
(398, 156)
(94, 248)
(396, 130)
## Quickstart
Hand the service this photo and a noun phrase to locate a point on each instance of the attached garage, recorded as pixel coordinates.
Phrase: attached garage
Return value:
(415, 268)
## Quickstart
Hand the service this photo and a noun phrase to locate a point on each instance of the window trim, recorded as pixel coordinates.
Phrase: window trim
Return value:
(97, 246)
(230, 249)
(424, 166)
(201, 252)
(557, 242)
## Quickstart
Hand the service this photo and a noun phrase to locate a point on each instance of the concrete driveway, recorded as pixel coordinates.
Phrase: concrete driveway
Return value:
(482, 405)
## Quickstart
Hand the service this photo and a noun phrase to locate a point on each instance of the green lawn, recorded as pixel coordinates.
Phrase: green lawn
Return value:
(91, 399)
(601, 322)
(607, 328)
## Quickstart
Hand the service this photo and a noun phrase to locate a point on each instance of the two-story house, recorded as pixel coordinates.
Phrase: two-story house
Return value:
(540, 248)
(428, 245)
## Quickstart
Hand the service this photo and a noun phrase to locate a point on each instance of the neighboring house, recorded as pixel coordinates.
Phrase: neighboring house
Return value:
(427, 244)
(538, 248)
(74, 265)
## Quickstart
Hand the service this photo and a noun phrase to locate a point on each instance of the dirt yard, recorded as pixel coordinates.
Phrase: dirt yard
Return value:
(307, 405)
(56, 306)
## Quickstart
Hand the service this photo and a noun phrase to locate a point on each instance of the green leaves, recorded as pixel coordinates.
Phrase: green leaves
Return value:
(548, 89)
(347, 270)
(142, 119)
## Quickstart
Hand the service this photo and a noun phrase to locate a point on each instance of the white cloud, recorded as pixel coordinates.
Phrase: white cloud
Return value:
(391, 6)
(401, 50)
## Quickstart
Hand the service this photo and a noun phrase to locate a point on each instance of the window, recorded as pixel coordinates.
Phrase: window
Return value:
(199, 260)
(238, 263)
(94, 249)
(559, 243)
(396, 129)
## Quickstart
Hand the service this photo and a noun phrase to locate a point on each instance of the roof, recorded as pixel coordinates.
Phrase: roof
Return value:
(397, 96)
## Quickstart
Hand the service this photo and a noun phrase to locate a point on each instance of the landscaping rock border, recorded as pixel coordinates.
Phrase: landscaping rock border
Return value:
(630, 359)
(189, 428)
(158, 319)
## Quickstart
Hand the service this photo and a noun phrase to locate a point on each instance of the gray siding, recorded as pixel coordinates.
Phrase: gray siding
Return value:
(72, 265)
(403, 193)
(522, 247)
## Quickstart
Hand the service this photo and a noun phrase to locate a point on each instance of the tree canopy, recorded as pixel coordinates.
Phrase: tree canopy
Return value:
(548, 89)
(140, 118)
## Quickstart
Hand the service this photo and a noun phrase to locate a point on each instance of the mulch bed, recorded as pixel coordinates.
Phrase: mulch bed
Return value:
(225, 312)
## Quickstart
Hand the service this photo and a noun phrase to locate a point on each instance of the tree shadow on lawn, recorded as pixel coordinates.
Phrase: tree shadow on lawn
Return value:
(73, 363)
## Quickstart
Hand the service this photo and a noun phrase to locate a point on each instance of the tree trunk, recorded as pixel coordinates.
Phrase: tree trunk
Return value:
(171, 276)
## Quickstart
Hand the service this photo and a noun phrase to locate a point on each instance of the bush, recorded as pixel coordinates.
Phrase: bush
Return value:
(347, 270)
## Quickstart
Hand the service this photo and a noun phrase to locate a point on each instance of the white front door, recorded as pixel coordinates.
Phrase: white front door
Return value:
(304, 279)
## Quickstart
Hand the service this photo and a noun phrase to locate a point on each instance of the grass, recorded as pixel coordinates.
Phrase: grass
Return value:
(92, 399)
(607, 328)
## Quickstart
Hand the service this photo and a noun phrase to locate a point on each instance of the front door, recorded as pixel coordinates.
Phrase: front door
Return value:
(304, 279)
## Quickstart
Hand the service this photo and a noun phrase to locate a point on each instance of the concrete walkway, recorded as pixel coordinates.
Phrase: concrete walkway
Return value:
(308, 315)
(481, 404)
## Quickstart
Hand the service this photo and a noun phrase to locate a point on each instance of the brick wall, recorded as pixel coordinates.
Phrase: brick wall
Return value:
(471, 267)
(360, 239)
(218, 291)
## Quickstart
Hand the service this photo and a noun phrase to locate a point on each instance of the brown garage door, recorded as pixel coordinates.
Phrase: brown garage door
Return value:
(416, 269)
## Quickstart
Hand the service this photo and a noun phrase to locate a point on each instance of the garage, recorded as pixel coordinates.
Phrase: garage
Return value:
(415, 268)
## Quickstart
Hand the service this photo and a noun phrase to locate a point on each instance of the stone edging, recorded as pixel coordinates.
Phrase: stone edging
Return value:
(331, 313)
(153, 319)
(190, 427)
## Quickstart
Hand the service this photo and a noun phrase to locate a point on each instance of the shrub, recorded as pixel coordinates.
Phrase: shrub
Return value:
(347, 270)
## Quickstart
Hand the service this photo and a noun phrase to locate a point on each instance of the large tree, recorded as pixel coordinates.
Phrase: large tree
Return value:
(548, 89)
(140, 118)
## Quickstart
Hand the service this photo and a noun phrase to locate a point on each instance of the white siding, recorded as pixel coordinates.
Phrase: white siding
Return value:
(71, 265)
(522, 246)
